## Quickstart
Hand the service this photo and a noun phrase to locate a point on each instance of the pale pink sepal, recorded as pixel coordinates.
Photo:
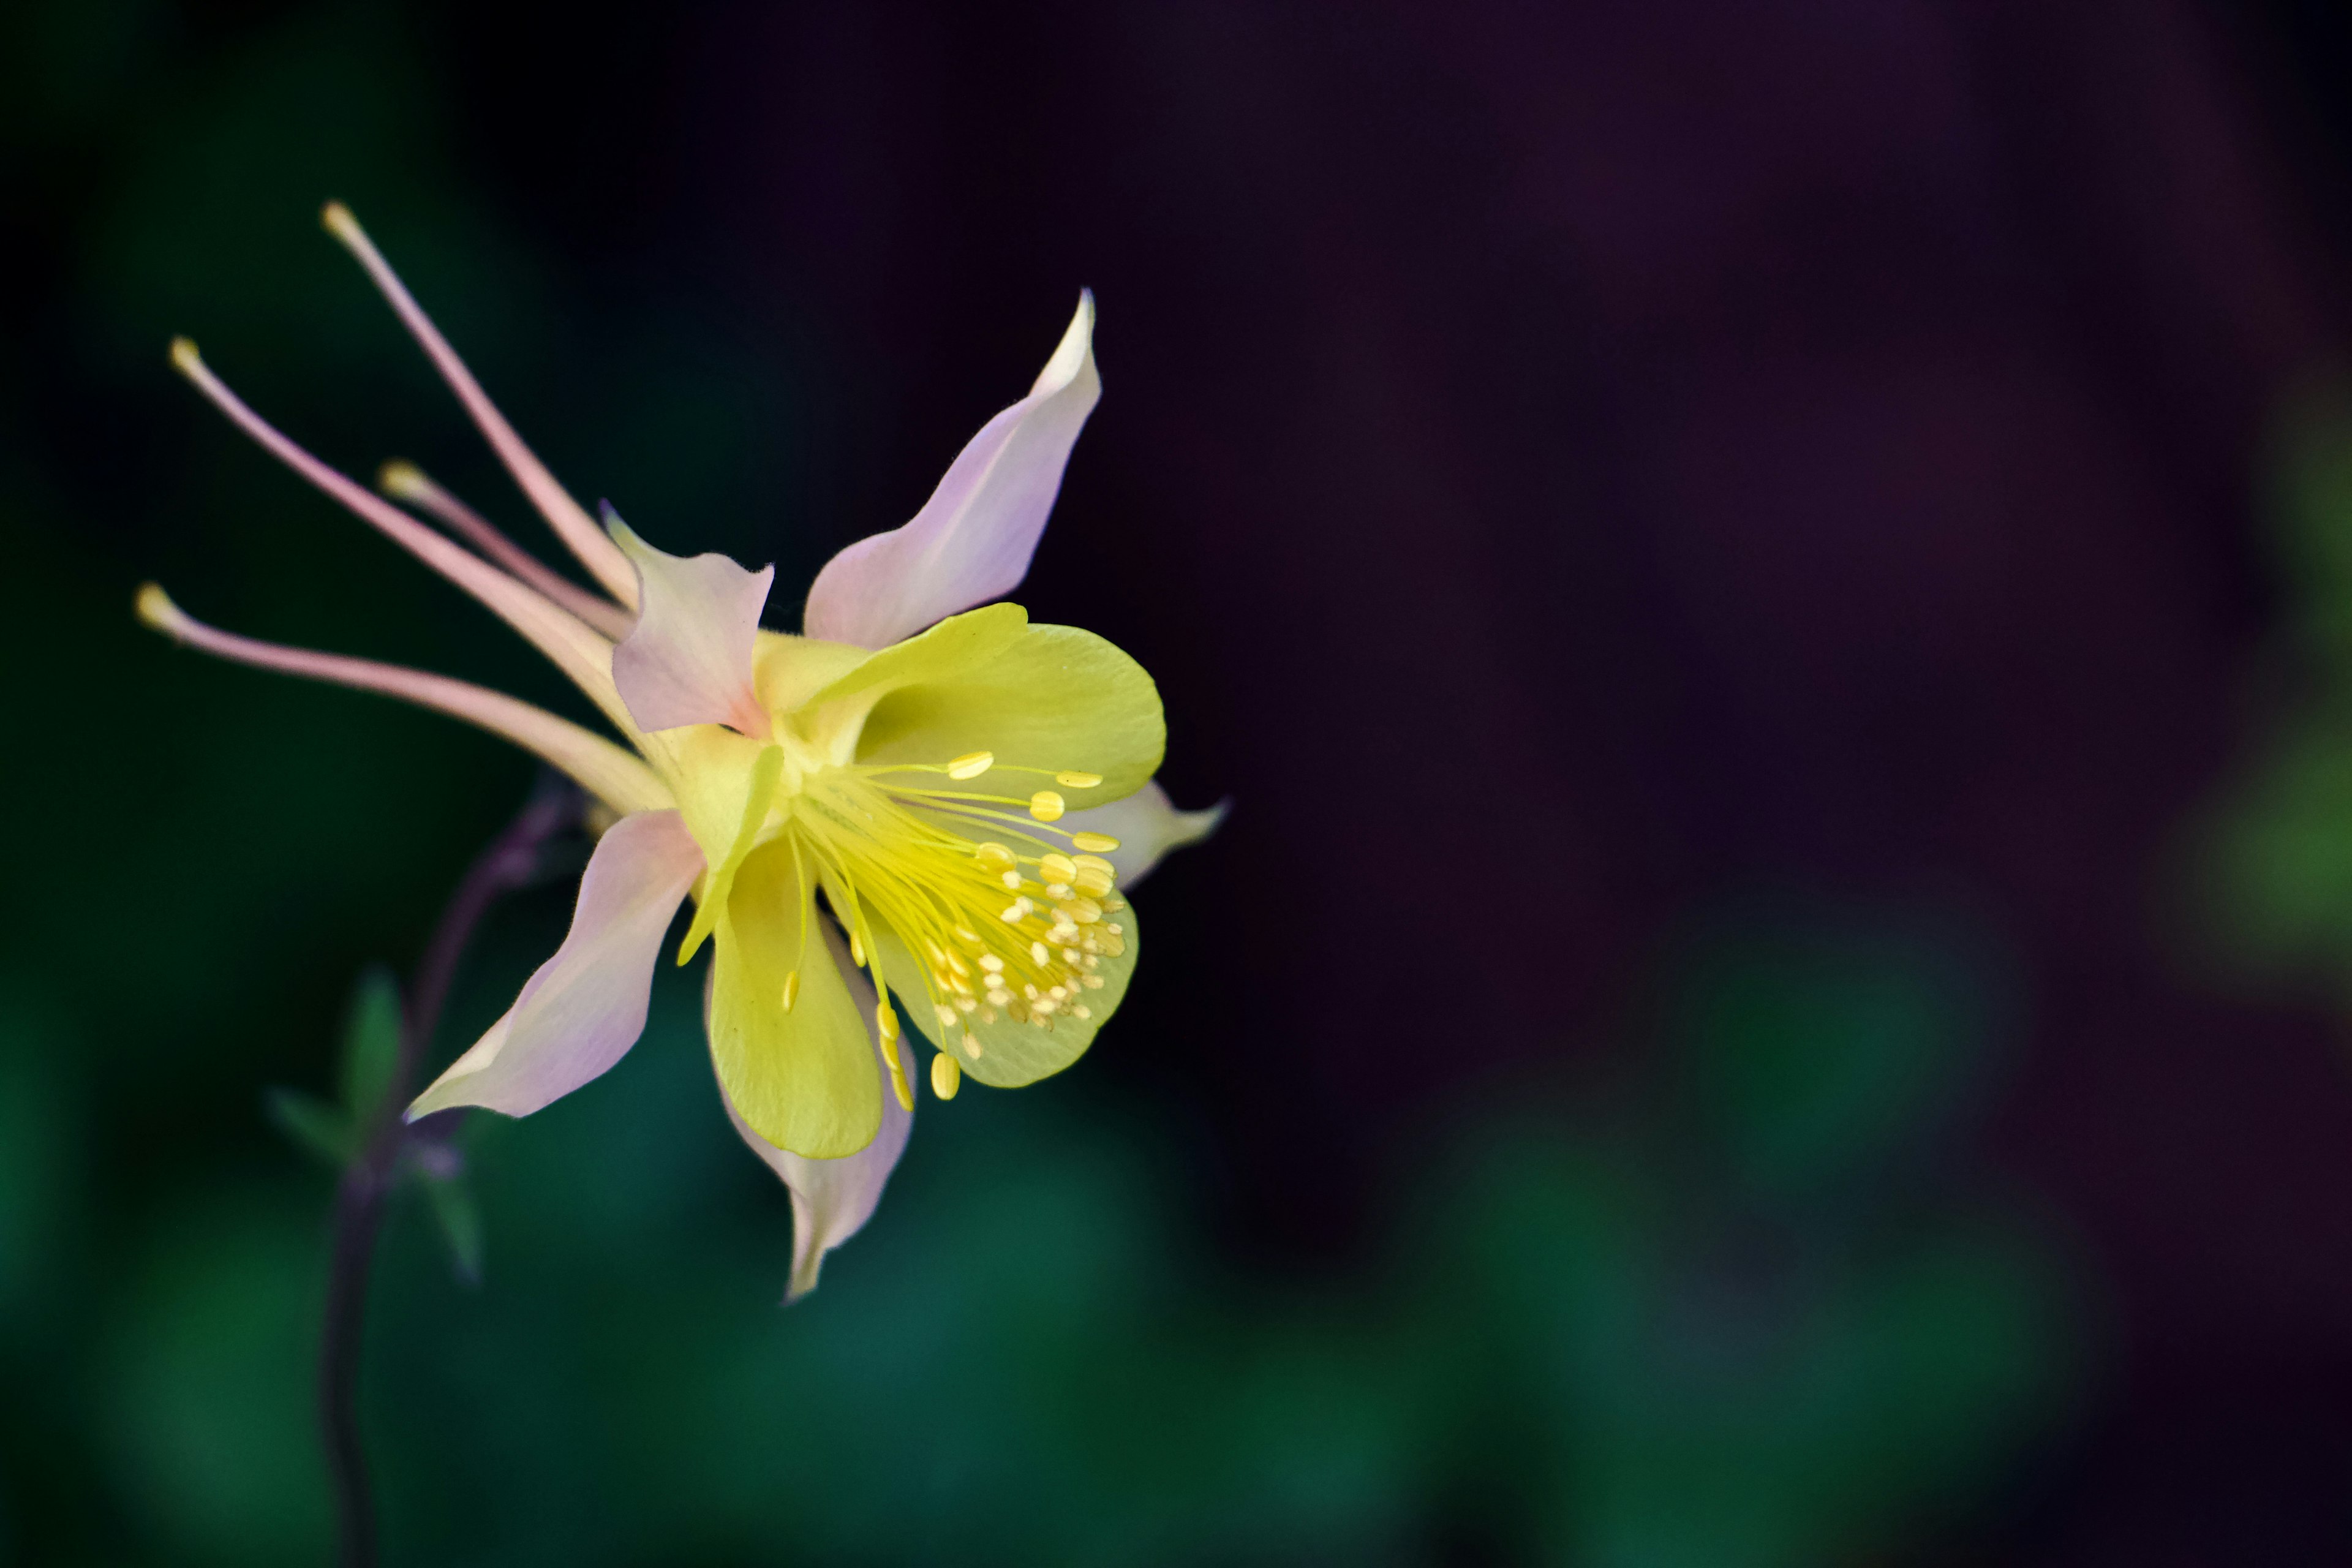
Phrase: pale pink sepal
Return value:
(1146, 825)
(971, 542)
(586, 1005)
(688, 658)
(833, 1199)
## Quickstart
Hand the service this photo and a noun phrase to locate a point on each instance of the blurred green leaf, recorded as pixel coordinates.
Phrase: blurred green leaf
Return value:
(2311, 503)
(460, 1220)
(1822, 1045)
(315, 1126)
(370, 1044)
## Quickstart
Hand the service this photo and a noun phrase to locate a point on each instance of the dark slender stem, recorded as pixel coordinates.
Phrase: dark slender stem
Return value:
(508, 863)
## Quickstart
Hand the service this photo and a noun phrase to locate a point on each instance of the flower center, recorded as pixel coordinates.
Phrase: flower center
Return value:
(998, 919)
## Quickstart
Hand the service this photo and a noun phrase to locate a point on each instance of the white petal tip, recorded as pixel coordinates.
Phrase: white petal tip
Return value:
(1070, 356)
(1201, 824)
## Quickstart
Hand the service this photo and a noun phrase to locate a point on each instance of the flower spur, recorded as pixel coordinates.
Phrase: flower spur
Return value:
(916, 802)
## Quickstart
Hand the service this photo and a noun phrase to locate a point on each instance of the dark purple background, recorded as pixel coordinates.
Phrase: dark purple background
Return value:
(1566, 461)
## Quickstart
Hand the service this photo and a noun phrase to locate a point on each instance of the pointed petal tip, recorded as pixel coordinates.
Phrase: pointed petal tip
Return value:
(1073, 352)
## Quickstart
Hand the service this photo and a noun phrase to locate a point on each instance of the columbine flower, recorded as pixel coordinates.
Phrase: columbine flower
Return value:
(916, 803)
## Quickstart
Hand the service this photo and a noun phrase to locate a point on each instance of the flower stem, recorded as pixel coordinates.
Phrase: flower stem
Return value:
(510, 861)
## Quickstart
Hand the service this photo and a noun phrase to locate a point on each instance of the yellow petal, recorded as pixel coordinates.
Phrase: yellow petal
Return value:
(1014, 1053)
(758, 790)
(957, 644)
(789, 669)
(1053, 698)
(808, 1081)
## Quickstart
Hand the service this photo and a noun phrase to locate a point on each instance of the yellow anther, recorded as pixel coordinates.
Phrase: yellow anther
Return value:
(994, 858)
(990, 963)
(1077, 780)
(791, 989)
(1047, 806)
(970, 1046)
(1093, 981)
(1083, 1011)
(947, 1075)
(1037, 952)
(972, 765)
(1093, 843)
(1012, 879)
(945, 1013)
(1057, 891)
(1057, 867)
(967, 934)
(956, 964)
(1070, 955)
(857, 950)
(885, 1018)
(1082, 911)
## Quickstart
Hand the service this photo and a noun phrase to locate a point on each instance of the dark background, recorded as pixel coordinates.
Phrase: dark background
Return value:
(1761, 578)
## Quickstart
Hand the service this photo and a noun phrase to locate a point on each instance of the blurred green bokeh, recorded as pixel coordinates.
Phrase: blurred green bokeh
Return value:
(1740, 1306)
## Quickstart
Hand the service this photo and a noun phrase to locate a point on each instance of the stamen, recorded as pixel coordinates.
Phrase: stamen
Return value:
(1057, 867)
(1047, 806)
(791, 989)
(994, 856)
(1093, 843)
(947, 1075)
(1073, 780)
(972, 765)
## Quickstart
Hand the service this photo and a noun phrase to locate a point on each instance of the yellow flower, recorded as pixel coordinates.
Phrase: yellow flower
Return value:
(918, 804)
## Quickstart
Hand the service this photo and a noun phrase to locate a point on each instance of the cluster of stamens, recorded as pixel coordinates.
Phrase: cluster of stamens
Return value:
(1000, 932)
